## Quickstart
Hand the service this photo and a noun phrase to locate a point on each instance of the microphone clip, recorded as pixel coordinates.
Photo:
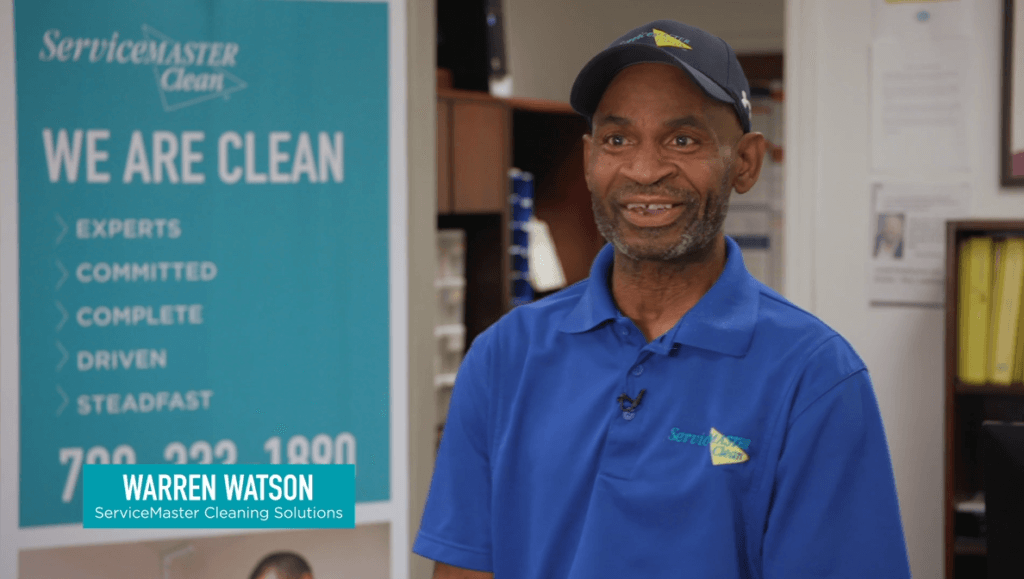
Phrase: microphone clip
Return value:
(628, 405)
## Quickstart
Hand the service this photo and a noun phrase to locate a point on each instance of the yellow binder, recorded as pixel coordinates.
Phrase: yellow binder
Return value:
(975, 303)
(962, 301)
(1018, 357)
(1009, 280)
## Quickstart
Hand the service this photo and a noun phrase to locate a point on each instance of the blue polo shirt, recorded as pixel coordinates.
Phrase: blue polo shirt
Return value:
(757, 450)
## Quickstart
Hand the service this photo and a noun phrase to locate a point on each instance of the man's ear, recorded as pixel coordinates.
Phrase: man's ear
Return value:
(749, 159)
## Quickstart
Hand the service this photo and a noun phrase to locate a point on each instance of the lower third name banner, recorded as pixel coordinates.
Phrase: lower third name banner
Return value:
(239, 496)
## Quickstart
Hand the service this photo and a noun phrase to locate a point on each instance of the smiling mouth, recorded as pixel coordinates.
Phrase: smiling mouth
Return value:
(650, 208)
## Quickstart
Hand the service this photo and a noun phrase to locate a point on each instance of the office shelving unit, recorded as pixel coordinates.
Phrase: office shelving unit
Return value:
(967, 406)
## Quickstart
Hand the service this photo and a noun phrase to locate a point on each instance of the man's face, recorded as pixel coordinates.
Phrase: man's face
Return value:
(659, 164)
(892, 228)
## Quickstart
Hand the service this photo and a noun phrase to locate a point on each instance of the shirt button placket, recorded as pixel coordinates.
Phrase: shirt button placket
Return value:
(636, 371)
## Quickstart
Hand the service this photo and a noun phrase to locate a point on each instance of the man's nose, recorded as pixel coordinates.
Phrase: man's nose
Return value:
(648, 165)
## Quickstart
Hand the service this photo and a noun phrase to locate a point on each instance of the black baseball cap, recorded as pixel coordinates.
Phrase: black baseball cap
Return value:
(706, 58)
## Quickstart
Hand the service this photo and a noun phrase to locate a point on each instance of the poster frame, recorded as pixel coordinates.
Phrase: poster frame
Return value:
(394, 512)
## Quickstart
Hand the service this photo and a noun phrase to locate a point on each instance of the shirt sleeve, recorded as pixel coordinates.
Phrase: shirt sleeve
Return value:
(456, 524)
(834, 511)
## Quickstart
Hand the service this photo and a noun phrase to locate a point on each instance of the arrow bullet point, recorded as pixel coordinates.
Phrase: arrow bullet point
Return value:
(63, 404)
(64, 356)
(63, 274)
(63, 229)
(63, 316)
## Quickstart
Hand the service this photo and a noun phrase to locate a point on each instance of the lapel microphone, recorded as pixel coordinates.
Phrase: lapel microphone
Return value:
(628, 412)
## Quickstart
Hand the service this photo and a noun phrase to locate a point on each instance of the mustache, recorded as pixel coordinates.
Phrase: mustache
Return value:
(675, 194)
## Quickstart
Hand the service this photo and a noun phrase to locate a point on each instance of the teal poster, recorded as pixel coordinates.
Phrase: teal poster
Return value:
(203, 239)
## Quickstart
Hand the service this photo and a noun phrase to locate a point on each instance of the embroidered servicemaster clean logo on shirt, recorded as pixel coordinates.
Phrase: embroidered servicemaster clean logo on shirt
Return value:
(724, 449)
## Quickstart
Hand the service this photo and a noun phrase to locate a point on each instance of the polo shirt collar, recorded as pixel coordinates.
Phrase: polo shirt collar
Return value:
(723, 319)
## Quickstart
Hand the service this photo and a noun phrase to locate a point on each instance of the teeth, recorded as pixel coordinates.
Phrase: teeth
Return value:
(649, 207)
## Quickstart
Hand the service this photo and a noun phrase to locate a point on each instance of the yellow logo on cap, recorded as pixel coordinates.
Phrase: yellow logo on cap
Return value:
(725, 451)
(666, 39)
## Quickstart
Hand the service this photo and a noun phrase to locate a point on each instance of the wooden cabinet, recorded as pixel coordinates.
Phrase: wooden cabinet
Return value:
(472, 194)
(479, 138)
(479, 156)
(967, 406)
(473, 153)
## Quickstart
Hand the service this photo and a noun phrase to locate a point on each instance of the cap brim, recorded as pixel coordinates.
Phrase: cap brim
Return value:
(592, 81)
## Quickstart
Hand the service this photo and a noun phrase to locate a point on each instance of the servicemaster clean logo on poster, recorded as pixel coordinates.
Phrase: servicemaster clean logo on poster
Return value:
(203, 213)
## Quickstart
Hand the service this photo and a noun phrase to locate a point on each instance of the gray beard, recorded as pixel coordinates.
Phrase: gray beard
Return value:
(696, 240)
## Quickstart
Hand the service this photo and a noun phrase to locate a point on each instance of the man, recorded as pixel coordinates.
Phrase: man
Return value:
(670, 416)
(889, 240)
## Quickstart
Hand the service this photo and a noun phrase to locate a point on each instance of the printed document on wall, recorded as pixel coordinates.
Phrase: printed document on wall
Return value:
(908, 240)
(917, 19)
(919, 105)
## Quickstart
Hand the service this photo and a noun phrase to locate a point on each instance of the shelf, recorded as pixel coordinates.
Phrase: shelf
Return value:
(446, 380)
(970, 546)
(967, 406)
(471, 95)
(449, 330)
(974, 505)
(1015, 389)
(542, 106)
(450, 281)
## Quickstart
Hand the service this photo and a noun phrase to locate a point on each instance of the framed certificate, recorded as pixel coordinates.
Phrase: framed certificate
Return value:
(1012, 159)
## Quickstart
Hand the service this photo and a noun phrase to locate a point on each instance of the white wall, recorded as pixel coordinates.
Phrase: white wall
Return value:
(549, 41)
(422, 63)
(828, 178)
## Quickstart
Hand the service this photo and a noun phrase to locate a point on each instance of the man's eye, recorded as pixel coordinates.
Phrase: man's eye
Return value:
(683, 141)
(615, 140)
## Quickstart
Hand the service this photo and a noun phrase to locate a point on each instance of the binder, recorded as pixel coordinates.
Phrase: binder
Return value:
(1009, 281)
(1018, 356)
(975, 300)
(962, 299)
(521, 200)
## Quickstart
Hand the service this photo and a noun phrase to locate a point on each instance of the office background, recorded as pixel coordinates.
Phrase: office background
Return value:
(828, 173)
